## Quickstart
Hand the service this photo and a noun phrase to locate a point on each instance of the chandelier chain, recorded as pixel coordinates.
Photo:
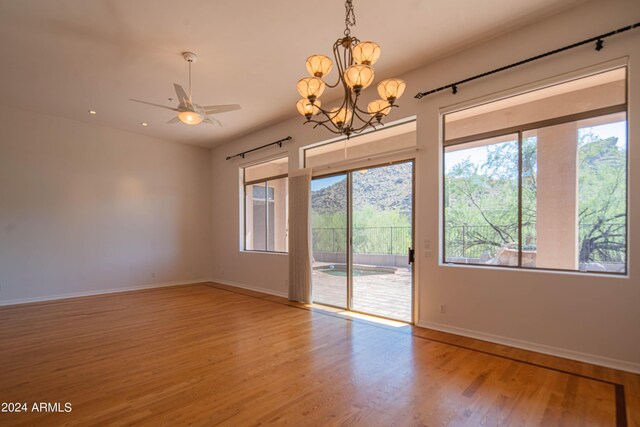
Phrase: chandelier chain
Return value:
(350, 17)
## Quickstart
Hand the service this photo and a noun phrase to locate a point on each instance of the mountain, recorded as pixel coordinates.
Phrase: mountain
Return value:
(384, 188)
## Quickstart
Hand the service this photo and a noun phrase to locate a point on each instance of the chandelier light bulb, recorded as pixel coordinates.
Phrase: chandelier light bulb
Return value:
(379, 108)
(358, 77)
(307, 109)
(340, 116)
(190, 117)
(391, 89)
(366, 53)
(310, 88)
(319, 65)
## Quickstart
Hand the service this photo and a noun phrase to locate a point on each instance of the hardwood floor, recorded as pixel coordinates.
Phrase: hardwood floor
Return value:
(211, 354)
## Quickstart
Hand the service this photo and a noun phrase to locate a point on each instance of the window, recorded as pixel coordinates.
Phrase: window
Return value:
(539, 180)
(266, 206)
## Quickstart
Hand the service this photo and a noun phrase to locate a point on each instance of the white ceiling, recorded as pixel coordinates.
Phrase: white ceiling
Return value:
(64, 57)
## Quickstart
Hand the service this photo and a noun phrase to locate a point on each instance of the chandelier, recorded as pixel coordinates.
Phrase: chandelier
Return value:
(354, 60)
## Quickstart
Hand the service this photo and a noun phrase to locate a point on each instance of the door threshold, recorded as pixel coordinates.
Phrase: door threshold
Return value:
(394, 323)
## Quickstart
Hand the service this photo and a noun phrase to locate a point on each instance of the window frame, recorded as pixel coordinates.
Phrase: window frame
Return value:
(520, 130)
(264, 181)
(401, 122)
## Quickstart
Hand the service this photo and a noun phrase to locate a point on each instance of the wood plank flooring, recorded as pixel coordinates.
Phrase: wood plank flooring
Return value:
(209, 354)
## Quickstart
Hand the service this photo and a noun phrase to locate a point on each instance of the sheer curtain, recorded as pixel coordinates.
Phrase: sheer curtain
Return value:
(300, 236)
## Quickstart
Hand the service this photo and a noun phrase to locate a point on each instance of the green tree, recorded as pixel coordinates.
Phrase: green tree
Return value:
(481, 198)
(602, 194)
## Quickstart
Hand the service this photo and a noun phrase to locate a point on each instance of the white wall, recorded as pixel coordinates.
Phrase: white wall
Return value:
(589, 317)
(85, 208)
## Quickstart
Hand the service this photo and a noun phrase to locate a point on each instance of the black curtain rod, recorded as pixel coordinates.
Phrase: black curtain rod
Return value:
(278, 143)
(599, 40)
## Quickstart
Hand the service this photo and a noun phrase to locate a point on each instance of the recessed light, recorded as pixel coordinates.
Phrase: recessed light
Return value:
(144, 124)
(93, 112)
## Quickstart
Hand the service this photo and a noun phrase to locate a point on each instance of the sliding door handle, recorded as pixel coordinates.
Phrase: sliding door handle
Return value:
(412, 255)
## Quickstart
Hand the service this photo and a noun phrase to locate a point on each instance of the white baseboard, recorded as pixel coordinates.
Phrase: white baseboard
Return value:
(98, 292)
(622, 365)
(251, 288)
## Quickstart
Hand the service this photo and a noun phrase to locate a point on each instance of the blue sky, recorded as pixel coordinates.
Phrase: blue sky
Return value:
(320, 183)
(479, 156)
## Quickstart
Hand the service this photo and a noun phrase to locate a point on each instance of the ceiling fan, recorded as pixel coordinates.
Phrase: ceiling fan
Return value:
(189, 112)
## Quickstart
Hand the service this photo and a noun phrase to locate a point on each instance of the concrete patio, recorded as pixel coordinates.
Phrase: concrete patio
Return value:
(387, 294)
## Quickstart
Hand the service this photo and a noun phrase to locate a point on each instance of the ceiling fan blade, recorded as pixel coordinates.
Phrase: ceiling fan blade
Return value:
(181, 94)
(212, 121)
(174, 120)
(152, 104)
(213, 109)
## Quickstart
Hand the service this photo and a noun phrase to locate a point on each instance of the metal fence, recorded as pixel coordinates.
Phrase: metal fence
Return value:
(471, 241)
(608, 245)
(329, 239)
(366, 240)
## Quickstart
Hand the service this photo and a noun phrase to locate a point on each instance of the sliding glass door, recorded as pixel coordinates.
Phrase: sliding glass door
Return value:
(382, 207)
(362, 227)
(329, 233)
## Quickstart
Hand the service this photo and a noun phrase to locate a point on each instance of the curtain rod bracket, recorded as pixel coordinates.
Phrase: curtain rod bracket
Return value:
(599, 44)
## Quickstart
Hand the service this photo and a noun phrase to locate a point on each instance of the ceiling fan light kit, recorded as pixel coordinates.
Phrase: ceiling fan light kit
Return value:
(354, 60)
(189, 112)
(190, 117)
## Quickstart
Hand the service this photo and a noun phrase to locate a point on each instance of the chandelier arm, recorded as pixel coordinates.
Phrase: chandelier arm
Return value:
(338, 65)
(368, 124)
(362, 129)
(346, 105)
(324, 112)
(343, 107)
(328, 113)
(357, 108)
(375, 112)
(330, 116)
(317, 123)
(346, 62)
(368, 119)
(357, 114)
(337, 58)
(333, 128)
(352, 103)
(339, 61)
